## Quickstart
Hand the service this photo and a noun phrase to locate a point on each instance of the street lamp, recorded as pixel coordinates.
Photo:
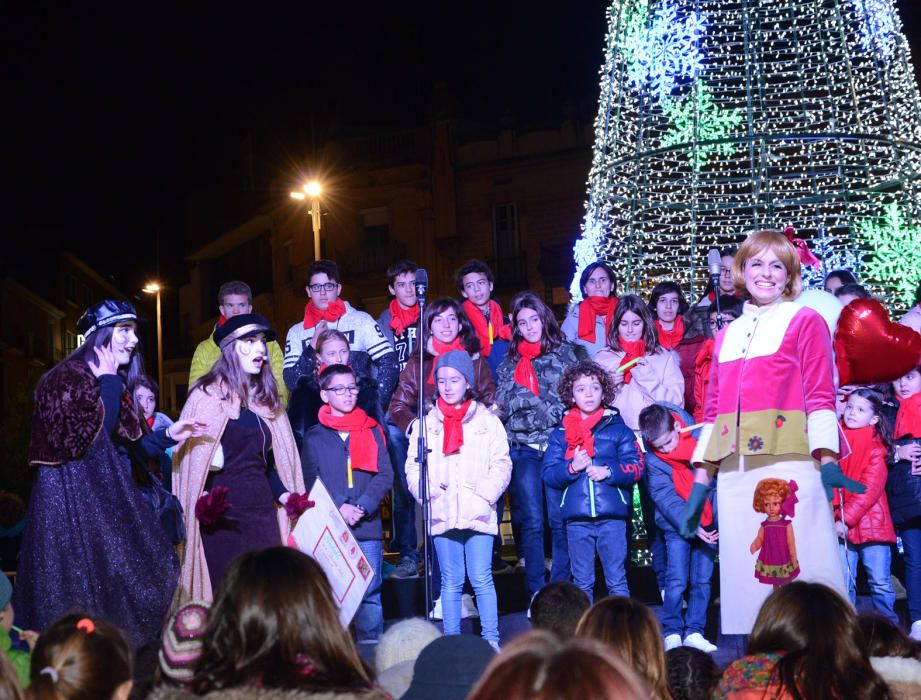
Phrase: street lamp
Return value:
(313, 190)
(155, 288)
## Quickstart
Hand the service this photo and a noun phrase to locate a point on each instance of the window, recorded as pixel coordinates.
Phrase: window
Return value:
(508, 262)
(375, 228)
(71, 342)
(70, 289)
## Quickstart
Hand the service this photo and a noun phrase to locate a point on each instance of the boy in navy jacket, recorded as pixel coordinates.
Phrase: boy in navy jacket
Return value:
(593, 456)
(348, 452)
(690, 561)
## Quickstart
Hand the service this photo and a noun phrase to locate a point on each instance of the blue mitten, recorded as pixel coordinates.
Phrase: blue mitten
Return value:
(833, 478)
(690, 516)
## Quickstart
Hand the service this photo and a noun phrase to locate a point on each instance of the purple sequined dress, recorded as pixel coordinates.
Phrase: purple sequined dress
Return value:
(252, 521)
(92, 544)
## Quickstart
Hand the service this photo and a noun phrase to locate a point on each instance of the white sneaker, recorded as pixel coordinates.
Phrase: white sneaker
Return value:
(697, 641)
(672, 641)
(468, 607)
(915, 630)
(436, 610)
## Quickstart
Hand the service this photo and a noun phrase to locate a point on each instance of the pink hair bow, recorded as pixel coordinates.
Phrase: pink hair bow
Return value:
(806, 256)
(789, 504)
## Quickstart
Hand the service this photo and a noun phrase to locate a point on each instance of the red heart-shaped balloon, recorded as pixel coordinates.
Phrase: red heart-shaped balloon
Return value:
(871, 349)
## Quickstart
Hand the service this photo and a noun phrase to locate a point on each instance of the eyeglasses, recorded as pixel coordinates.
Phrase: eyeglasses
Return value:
(326, 287)
(342, 390)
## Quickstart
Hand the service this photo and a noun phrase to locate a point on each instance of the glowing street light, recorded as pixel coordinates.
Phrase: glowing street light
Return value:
(312, 190)
(155, 288)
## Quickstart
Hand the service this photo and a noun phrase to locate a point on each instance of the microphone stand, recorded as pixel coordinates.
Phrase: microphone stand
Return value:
(715, 281)
(422, 458)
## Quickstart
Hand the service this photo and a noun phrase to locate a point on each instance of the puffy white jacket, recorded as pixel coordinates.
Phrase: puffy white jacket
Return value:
(463, 487)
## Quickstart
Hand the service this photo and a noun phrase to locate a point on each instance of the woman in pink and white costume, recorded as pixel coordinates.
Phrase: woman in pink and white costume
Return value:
(770, 413)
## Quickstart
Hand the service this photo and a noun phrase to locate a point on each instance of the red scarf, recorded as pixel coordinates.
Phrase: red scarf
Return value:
(861, 441)
(524, 370)
(632, 350)
(487, 331)
(579, 430)
(400, 318)
(908, 419)
(454, 425)
(589, 309)
(439, 348)
(362, 445)
(679, 460)
(150, 422)
(670, 339)
(313, 315)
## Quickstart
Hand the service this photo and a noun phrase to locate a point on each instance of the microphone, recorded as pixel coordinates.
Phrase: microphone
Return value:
(422, 284)
(713, 262)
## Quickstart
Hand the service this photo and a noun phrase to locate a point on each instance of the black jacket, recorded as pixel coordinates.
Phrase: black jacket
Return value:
(325, 454)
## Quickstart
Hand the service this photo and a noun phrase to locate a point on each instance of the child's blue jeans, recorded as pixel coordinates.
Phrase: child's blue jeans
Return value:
(460, 553)
(608, 537)
(690, 568)
(876, 558)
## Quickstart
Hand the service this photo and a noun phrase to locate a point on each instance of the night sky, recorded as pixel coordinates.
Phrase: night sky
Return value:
(118, 114)
(115, 118)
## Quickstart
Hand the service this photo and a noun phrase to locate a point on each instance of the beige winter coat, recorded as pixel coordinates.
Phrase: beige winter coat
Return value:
(191, 461)
(465, 486)
(654, 378)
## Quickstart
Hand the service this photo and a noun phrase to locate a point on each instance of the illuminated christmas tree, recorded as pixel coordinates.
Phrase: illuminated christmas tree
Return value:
(720, 117)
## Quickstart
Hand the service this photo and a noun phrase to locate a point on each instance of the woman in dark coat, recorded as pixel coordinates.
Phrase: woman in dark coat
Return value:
(90, 541)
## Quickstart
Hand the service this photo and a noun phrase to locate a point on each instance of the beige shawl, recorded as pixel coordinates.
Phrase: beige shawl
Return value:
(191, 460)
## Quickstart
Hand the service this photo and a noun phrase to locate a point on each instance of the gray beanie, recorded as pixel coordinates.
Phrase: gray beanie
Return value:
(459, 360)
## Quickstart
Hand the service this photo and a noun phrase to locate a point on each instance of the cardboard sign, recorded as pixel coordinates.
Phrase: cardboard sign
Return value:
(323, 534)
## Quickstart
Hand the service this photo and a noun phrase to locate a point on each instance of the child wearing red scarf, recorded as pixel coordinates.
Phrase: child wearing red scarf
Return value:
(870, 533)
(347, 451)
(468, 471)
(690, 561)
(593, 457)
(903, 487)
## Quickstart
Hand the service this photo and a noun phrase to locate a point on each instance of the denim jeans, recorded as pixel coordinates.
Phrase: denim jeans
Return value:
(655, 538)
(467, 552)
(608, 537)
(911, 544)
(876, 558)
(369, 618)
(529, 497)
(690, 567)
(404, 505)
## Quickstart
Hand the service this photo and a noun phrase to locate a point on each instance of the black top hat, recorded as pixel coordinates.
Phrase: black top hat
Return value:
(242, 326)
(105, 313)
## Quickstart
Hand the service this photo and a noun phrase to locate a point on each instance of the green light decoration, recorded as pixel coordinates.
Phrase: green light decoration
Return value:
(895, 247)
(697, 118)
(720, 118)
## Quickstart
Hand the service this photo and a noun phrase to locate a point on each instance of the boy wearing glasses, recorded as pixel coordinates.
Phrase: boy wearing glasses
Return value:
(348, 452)
(326, 310)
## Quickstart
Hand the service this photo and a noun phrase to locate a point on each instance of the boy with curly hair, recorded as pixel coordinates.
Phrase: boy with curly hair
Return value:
(594, 456)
